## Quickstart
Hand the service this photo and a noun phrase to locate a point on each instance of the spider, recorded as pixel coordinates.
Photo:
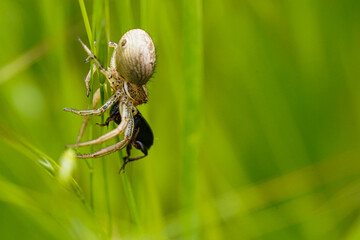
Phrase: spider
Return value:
(131, 66)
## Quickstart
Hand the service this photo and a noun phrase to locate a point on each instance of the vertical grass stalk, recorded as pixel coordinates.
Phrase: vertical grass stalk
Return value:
(90, 163)
(193, 79)
(100, 21)
(105, 51)
(130, 196)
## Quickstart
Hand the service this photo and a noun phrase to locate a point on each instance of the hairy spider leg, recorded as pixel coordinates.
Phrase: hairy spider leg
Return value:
(96, 96)
(117, 146)
(126, 117)
(88, 76)
(114, 98)
(96, 61)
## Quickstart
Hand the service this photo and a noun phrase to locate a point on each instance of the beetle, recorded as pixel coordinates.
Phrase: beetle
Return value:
(142, 139)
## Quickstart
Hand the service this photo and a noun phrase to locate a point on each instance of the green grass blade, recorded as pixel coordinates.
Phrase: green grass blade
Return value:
(193, 80)
(86, 23)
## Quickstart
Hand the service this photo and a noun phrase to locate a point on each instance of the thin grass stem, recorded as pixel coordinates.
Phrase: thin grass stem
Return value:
(106, 182)
(130, 196)
(90, 162)
(193, 68)
(87, 23)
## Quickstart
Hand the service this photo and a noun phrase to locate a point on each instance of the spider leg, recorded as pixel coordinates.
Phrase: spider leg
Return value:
(112, 44)
(87, 80)
(96, 61)
(88, 76)
(98, 111)
(126, 119)
(96, 96)
(114, 147)
(96, 100)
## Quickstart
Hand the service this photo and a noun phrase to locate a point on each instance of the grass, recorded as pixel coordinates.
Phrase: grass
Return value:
(254, 107)
(193, 81)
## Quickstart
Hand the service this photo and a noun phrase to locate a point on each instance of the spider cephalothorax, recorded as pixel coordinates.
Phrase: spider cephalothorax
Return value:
(132, 65)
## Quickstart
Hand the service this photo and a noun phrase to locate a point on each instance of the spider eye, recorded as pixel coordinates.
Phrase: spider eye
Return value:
(123, 42)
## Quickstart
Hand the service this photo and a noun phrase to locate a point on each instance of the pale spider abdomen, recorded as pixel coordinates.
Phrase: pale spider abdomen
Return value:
(135, 57)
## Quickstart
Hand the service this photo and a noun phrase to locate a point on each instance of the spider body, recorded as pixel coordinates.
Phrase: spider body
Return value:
(131, 66)
(142, 138)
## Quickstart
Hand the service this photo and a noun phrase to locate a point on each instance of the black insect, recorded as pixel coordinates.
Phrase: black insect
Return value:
(142, 138)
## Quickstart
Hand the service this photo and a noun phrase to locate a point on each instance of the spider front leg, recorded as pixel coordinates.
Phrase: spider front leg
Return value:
(98, 111)
(117, 146)
(96, 61)
(112, 44)
(126, 118)
(88, 76)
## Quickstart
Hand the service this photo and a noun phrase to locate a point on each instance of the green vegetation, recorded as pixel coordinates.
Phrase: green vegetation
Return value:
(255, 107)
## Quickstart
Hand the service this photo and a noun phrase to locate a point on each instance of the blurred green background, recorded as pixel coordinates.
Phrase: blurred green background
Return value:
(255, 107)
